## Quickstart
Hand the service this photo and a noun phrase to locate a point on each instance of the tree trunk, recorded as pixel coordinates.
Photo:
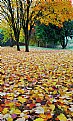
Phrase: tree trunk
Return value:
(18, 48)
(11, 42)
(64, 44)
(17, 41)
(26, 41)
(26, 29)
(38, 43)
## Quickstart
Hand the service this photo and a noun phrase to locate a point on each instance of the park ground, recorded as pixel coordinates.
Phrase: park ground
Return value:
(36, 85)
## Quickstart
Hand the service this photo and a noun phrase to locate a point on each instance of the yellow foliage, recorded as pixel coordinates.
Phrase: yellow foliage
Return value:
(9, 119)
(11, 104)
(62, 117)
(17, 111)
(52, 107)
(21, 99)
(5, 110)
(55, 12)
(39, 119)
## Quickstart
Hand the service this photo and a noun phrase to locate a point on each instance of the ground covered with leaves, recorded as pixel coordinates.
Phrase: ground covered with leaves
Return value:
(36, 85)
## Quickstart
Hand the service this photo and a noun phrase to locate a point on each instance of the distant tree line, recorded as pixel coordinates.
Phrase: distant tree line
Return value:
(44, 35)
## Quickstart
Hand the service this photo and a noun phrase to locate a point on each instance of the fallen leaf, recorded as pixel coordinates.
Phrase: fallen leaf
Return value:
(5, 110)
(39, 119)
(62, 117)
(16, 111)
(21, 99)
(10, 119)
(52, 106)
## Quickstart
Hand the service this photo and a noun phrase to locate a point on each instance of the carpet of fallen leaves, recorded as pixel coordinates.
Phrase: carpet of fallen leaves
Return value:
(36, 85)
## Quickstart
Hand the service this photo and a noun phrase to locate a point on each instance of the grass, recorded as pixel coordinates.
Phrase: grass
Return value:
(43, 48)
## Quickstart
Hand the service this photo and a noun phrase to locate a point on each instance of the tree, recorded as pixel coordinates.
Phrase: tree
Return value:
(7, 32)
(41, 35)
(19, 13)
(48, 34)
(53, 35)
(65, 33)
(46, 11)
(10, 11)
(54, 11)
(22, 36)
(28, 18)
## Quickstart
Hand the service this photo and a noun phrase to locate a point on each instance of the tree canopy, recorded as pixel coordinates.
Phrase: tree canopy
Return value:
(54, 11)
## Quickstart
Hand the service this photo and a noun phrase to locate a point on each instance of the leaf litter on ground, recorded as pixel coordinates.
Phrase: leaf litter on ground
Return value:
(36, 86)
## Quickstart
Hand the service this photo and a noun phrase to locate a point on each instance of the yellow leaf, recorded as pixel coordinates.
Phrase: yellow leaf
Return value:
(11, 98)
(62, 117)
(11, 104)
(12, 110)
(9, 119)
(21, 91)
(72, 113)
(52, 107)
(43, 116)
(22, 100)
(1, 82)
(28, 27)
(55, 92)
(5, 110)
(54, 83)
(16, 86)
(17, 111)
(45, 108)
(39, 119)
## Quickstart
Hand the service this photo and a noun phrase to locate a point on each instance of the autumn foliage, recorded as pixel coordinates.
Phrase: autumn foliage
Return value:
(54, 11)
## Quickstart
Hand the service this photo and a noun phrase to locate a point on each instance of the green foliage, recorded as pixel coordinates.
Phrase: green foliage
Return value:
(22, 38)
(7, 31)
(32, 42)
(68, 26)
(65, 32)
(47, 33)
(40, 32)
(6, 36)
(52, 34)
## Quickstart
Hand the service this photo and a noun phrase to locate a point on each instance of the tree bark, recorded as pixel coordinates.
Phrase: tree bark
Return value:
(18, 48)
(17, 40)
(26, 29)
(38, 43)
(64, 44)
(26, 41)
